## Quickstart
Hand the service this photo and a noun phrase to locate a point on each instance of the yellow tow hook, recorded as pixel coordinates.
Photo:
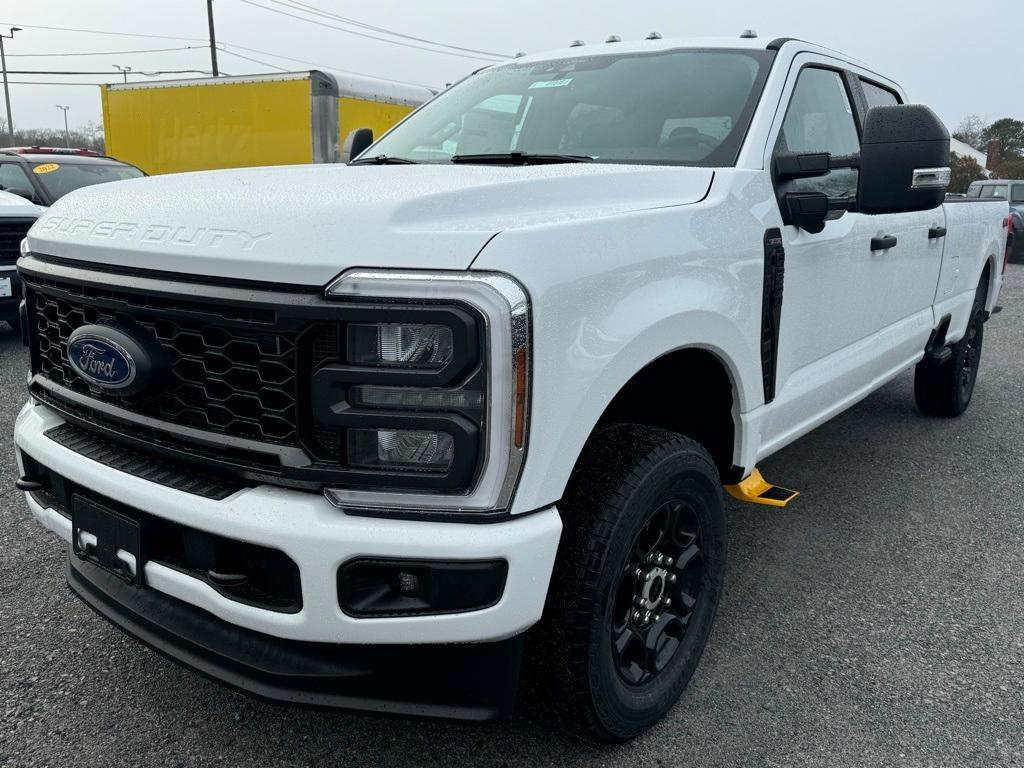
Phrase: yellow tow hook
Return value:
(755, 489)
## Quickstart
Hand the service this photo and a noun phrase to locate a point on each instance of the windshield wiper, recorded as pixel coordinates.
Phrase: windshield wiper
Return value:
(520, 158)
(383, 160)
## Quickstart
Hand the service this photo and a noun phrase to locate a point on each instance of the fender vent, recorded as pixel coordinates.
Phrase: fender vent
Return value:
(771, 308)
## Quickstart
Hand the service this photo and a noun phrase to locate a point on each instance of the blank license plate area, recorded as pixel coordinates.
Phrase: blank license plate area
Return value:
(109, 539)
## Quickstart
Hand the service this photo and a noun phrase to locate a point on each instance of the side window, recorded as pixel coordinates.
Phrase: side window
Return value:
(994, 190)
(14, 179)
(1017, 195)
(877, 96)
(820, 119)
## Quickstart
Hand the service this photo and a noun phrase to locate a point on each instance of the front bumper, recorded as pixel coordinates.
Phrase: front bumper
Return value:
(319, 538)
(474, 682)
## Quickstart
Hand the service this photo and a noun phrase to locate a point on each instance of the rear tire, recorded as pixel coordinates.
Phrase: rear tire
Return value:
(946, 390)
(638, 577)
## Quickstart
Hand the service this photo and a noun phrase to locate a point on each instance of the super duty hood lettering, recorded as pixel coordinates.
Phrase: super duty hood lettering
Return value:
(209, 237)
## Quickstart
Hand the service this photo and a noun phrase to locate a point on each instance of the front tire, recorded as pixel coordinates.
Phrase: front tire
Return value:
(639, 575)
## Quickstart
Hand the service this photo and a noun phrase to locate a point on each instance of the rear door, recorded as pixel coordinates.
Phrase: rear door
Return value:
(913, 266)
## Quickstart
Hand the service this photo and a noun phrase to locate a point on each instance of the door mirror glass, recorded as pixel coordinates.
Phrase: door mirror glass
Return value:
(904, 163)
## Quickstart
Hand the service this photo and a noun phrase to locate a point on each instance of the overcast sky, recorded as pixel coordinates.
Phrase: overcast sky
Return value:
(955, 57)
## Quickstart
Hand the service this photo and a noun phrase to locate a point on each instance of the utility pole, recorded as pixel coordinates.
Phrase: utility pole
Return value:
(67, 133)
(123, 70)
(213, 38)
(7, 93)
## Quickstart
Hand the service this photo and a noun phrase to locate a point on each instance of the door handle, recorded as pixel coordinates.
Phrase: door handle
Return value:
(883, 243)
(936, 232)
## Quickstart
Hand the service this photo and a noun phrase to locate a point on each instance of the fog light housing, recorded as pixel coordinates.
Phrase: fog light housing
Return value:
(368, 588)
(401, 448)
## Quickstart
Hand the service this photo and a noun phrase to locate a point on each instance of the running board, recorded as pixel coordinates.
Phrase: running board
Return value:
(755, 489)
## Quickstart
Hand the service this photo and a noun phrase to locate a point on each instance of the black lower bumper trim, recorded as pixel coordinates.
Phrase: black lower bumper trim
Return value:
(475, 682)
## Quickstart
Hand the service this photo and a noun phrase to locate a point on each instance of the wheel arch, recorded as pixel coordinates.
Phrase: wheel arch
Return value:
(691, 391)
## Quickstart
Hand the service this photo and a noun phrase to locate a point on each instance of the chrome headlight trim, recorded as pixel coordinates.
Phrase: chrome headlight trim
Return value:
(505, 307)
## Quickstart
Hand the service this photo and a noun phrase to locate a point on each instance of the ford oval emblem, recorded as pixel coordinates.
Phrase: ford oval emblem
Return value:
(109, 358)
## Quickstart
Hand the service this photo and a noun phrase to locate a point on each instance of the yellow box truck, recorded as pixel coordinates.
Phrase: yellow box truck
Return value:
(232, 122)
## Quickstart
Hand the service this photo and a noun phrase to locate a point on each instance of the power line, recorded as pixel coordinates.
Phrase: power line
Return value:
(296, 5)
(371, 37)
(84, 85)
(104, 72)
(102, 53)
(221, 45)
(50, 82)
(328, 67)
(256, 61)
(104, 32)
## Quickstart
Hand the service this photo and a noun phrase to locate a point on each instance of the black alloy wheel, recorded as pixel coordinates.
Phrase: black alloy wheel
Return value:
(662, 584)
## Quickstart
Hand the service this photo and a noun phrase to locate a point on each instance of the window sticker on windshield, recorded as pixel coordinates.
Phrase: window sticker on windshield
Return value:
(46, 168)
(551, 83)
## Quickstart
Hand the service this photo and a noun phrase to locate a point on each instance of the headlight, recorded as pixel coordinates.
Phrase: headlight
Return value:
(425, 346)
(425, 399)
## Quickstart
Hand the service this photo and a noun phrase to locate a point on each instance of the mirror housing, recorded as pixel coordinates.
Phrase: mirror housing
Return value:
(356, 143)
(904, 162)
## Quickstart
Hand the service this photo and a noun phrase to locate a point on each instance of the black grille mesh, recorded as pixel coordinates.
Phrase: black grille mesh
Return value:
(226, 379)
(12, 232)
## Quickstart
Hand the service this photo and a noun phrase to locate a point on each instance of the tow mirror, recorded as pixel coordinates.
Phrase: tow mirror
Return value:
(904, 162)
(356, 143)
(810, 210)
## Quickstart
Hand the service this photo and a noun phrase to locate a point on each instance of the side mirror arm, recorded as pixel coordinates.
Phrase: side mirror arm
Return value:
(806, 165)
(810, 210)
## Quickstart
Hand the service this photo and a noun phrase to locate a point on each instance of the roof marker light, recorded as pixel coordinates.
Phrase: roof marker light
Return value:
(576, 43)
(653, 36)
(613, 39)
(748, 34)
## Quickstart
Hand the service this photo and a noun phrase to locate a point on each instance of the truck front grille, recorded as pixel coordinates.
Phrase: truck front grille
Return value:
(235, 379)
(12, 232)
(229, 391)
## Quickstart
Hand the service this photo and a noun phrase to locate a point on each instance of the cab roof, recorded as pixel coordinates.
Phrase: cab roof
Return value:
(62, 158)
(648, 45)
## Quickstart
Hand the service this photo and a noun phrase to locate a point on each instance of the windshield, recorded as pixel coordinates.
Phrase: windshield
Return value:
(60, 178)
(681, 107)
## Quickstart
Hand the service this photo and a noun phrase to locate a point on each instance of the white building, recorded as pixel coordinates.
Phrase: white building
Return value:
(966, 150)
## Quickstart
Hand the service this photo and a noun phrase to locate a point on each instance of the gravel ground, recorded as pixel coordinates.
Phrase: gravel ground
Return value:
(877, 621)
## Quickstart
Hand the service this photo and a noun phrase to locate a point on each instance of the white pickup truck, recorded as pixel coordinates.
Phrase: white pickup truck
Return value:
(17, 215)
(339, 435)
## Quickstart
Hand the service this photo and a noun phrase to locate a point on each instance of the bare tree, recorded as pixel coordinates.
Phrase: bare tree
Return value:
(971, 131)
(88, 137)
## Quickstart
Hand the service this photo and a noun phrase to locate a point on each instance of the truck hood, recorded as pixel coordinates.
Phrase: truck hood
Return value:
(15, 205)
(304, 225)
